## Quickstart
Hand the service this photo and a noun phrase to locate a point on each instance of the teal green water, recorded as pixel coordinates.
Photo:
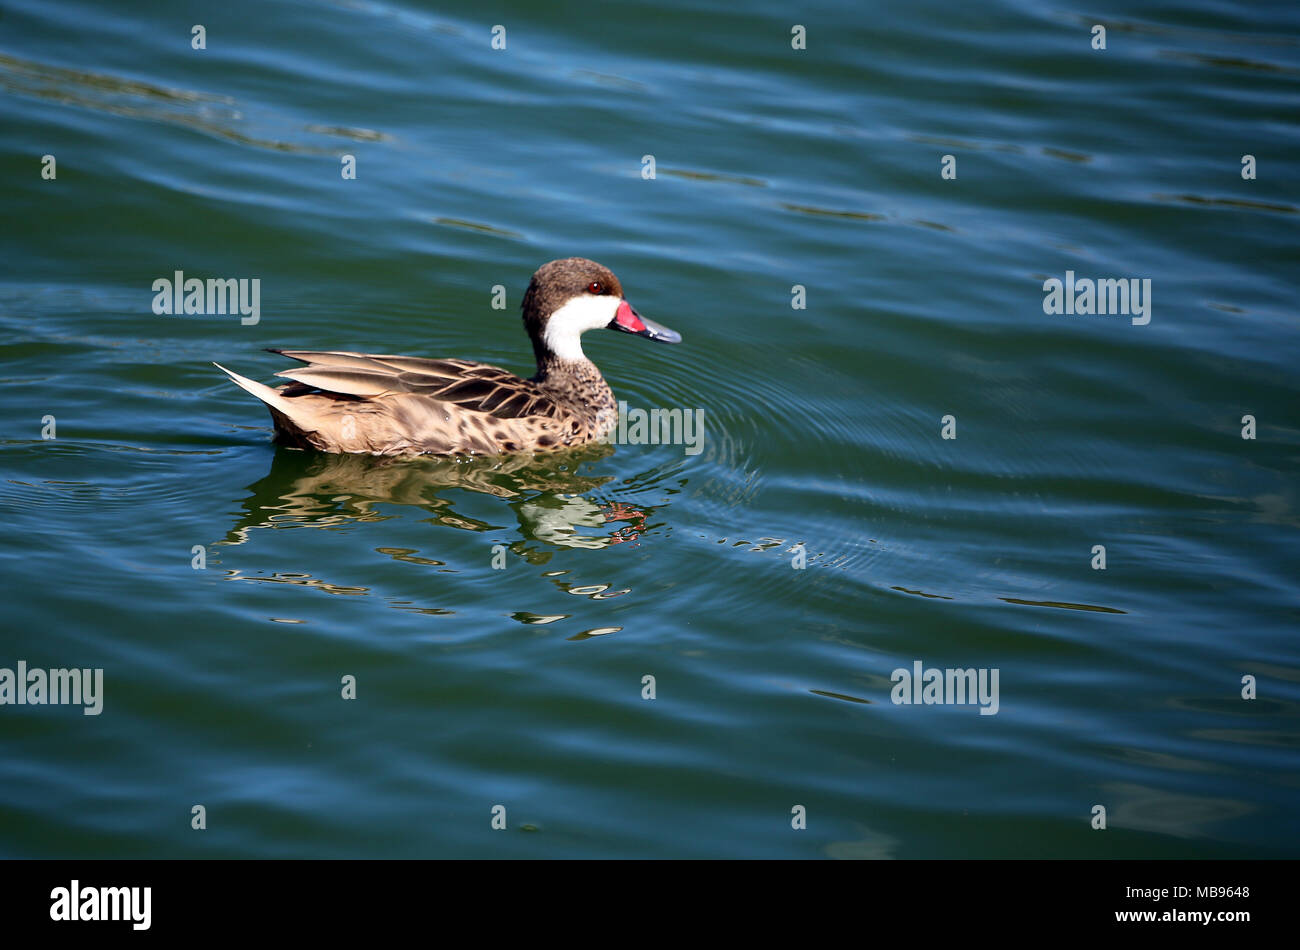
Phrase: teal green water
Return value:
(521, 686)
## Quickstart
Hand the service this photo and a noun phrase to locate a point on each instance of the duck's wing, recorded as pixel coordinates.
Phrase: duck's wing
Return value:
(477, 387)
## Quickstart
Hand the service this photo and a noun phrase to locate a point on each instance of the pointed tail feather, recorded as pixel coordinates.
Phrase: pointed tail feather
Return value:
(293, 422)
(264, 393)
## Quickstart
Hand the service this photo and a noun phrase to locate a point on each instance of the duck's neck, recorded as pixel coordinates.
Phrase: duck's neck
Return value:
(577, 383)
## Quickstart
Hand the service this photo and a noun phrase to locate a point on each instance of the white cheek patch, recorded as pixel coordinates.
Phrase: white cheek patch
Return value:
(563, 333)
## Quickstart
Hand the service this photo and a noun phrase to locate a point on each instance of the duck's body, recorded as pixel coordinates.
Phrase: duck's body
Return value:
(395, 405)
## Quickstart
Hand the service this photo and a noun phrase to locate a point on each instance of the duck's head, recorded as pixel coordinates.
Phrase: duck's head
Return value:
(568, 297)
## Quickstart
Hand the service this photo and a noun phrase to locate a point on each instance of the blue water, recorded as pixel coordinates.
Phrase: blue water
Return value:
(826, 535)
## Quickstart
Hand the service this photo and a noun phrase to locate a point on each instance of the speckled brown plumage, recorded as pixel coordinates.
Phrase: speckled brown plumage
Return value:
(393, 405)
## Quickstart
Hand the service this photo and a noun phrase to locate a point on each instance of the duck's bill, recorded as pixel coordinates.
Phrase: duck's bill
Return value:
(629, 321)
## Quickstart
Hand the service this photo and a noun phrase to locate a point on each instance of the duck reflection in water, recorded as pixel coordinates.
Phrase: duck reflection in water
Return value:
(547, 494)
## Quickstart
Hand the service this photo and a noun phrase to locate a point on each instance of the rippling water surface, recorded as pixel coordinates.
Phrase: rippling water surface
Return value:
(499, 617)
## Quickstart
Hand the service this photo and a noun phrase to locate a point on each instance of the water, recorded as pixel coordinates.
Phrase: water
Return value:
(523, 686)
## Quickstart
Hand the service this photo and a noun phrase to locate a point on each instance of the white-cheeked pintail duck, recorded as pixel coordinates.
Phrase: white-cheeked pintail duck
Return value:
(398, 405)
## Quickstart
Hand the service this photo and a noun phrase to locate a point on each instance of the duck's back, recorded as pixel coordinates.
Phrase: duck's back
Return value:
(389, 405)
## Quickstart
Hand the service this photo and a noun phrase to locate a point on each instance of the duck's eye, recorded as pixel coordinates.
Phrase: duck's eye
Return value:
(595, 287)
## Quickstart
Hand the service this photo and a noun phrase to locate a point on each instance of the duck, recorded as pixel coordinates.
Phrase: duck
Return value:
(363, 403)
